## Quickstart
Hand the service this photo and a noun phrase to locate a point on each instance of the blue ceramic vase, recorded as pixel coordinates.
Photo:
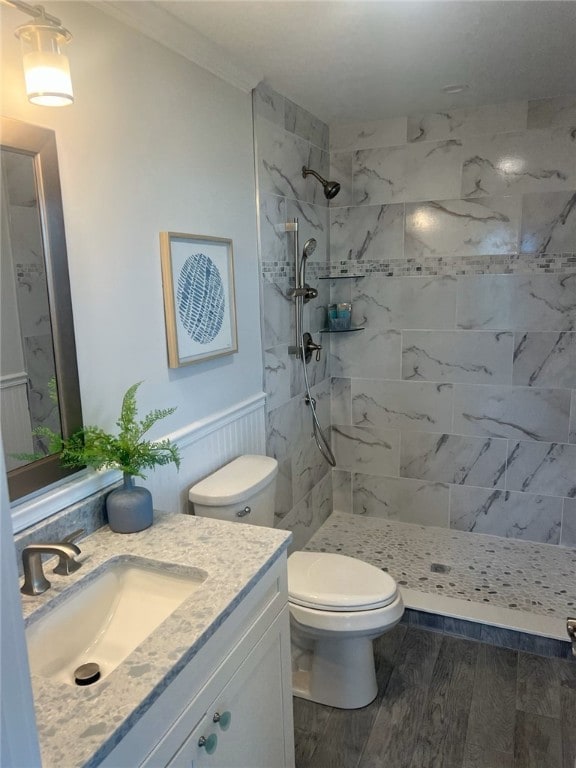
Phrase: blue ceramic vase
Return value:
(129, 508)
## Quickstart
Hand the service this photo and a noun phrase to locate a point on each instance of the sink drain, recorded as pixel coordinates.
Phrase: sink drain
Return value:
(86, 674)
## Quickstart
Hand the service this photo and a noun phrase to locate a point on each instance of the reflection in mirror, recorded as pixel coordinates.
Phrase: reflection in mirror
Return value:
(38, 370)
(26, 349)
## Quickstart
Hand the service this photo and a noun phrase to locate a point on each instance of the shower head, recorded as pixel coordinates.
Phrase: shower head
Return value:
(309, 248)
(331, 188)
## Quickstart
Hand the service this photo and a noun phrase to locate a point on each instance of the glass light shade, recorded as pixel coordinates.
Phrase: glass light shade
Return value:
(48, 81)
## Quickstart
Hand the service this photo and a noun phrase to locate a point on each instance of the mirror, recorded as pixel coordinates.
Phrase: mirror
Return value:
(38, 369)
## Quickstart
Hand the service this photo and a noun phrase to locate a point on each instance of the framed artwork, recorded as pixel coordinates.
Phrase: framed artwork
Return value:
(199, 302)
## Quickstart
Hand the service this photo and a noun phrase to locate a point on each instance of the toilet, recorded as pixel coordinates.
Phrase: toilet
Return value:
(338, 604)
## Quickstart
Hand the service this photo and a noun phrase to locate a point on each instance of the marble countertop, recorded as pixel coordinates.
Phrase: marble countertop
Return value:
(80, 726)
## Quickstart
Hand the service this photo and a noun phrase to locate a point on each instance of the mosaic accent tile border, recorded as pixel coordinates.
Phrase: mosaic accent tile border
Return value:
(522, 576)
(273, 270)
(460, 265)
(562, 263)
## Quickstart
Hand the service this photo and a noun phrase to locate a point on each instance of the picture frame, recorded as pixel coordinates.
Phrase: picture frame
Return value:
(199, 297)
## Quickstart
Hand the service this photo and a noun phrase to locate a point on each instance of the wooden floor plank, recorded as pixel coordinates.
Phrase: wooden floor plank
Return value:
(442, 737)
(305, 744)
(417, 656)
(399, 719)
(476, 756)
(309, 716)
(342, 742)
(387, 649)
(310, 720)
(567, 675)
(423, 693)
(538, 689)
(538, 741)
(493, 710)
(396, 728)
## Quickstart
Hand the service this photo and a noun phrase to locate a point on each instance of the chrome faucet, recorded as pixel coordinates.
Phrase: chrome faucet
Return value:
(35, 583)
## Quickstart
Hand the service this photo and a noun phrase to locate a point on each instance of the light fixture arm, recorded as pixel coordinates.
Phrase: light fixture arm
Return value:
(36, 11)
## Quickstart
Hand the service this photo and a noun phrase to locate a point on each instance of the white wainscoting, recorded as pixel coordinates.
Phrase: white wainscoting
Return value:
(204, 445)
(207, 445)
(16, 426)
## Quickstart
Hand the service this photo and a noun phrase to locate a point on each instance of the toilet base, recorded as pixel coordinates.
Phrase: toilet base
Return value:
(337, 672)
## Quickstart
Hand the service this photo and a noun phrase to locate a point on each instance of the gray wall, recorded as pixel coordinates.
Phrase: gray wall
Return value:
(453, 407)
(194, 139)
(288, 137)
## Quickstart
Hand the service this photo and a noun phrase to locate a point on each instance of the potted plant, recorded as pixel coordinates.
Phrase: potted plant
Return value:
(129, 508)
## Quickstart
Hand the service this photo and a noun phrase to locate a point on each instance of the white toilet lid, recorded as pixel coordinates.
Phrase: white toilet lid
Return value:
(234, 482)
(327, 581)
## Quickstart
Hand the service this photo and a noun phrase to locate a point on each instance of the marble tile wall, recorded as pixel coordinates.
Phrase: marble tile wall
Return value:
(456, 406)
(286, 138)
(486, 189)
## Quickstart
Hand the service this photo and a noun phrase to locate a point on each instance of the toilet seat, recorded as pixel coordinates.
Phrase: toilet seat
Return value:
(349, 622)
(323, 581)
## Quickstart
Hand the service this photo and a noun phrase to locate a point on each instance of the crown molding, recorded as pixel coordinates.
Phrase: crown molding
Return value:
(154, 21)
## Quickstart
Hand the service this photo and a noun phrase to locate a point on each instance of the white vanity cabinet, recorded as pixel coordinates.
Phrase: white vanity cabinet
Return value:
(231, 706)
(249, 715)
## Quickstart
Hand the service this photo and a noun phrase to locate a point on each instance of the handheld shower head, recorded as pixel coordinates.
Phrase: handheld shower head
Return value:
(331, 188)
(309, 247)
(308, 250)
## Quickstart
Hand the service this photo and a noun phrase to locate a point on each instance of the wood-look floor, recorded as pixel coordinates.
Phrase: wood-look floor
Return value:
(445, 702)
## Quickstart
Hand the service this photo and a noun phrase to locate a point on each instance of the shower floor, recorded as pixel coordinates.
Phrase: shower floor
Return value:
(513, 584)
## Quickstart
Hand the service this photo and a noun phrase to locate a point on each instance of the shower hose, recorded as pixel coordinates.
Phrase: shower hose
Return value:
(321, 441)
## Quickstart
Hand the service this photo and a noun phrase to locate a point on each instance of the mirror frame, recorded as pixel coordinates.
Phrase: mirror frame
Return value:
(40, 144)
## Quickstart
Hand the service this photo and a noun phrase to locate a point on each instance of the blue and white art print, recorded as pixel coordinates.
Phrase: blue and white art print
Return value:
(199, 297)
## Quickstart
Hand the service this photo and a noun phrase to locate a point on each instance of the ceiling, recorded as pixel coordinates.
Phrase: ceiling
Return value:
(347, 60)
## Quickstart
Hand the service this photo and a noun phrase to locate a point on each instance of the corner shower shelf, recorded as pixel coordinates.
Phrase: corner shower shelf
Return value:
(344, 330)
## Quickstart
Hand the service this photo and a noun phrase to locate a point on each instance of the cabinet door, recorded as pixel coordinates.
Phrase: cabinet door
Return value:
(251, 708)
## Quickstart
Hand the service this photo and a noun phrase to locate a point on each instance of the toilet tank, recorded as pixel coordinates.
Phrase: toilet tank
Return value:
(242, 491)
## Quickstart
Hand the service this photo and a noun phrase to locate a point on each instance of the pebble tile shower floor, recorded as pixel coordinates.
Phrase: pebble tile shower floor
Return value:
(518, 575)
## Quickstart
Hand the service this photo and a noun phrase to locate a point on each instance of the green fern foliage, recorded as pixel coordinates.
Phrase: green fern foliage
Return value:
(127, 451)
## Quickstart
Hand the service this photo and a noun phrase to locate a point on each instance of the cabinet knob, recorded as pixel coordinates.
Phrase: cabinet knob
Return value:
(223, 719)
(209, 743)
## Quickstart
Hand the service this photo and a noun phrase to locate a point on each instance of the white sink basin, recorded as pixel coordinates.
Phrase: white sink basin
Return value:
(107, 618)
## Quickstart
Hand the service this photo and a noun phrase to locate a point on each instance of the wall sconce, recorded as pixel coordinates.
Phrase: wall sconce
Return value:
(46, 68)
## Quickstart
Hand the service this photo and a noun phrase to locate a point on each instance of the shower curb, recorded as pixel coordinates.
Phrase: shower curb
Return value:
(485, 633)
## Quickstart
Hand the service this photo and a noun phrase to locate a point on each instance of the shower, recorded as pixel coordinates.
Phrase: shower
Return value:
(305, 345)
(331, 188)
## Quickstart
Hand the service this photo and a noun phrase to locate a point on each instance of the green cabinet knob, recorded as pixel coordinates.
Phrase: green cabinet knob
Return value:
(209, 743)
(223, 719)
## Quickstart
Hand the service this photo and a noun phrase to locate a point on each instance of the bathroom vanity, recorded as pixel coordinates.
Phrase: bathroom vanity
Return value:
(211, 686)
